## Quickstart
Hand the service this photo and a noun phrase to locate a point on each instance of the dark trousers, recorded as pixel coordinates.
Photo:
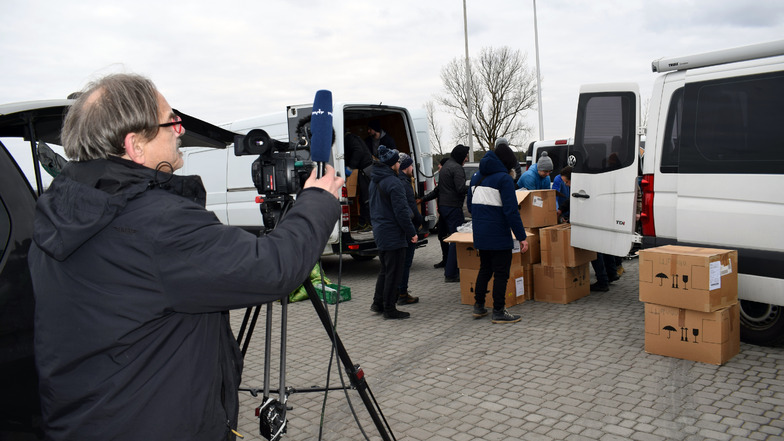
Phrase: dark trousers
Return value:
(443, 233)
(392, 262)
(454, 218)
(403, 288)
(495, 264)
(363, 181)
(604, 266)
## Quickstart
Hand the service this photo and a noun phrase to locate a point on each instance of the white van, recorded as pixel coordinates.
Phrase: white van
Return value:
(712, 175)
(231, 193)
(557, 149)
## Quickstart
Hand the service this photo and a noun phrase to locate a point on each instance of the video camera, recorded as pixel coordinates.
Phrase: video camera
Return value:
(281, 168)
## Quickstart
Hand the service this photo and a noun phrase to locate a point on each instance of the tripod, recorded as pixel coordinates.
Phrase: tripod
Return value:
(272, 412)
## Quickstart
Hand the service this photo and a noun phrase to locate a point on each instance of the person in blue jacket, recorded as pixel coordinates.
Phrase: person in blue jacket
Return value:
(538, 176)
(494, 214)
(562, 186)
(392, 230)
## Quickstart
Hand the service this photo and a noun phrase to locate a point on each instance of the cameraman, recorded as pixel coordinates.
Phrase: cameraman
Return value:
(133, 278)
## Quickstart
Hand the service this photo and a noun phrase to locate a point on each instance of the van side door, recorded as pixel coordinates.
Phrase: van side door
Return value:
(604, 179)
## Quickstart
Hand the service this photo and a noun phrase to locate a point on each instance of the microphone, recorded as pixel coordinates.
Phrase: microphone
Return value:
(321, 130)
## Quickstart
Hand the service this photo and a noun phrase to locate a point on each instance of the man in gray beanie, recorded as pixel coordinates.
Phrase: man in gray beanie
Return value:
(392, 230)
(538, 176)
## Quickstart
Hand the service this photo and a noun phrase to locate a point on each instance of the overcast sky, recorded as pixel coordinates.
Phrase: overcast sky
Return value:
(226, 60)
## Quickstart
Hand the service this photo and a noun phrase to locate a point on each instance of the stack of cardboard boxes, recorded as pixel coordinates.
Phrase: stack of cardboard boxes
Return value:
(691, 302)
(564, 275)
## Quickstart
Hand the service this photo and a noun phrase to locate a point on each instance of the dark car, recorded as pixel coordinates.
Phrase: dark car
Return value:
(26, 132)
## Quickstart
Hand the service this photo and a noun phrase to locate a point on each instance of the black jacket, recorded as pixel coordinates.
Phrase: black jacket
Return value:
(133, 281)
(416, 216)
(452, 186)
(389, 212)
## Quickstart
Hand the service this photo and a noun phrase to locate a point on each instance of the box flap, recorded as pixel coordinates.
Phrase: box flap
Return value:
(460, 237)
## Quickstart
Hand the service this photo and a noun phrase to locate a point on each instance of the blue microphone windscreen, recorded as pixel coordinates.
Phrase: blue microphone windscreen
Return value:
(321, 127)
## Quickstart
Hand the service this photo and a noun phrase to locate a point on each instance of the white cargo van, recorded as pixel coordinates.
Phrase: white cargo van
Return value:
(712, 175)
(230, 189)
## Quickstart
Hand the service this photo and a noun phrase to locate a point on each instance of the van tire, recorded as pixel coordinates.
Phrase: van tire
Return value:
(761, 323)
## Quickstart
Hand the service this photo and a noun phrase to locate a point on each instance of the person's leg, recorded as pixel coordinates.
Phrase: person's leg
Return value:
(394, 272)
(602, 281)
(610, 268)
(482, 279)
(454, 218)
(502, 260)
(404, 298)
(364, 196)
(378, 294)
(443, 232)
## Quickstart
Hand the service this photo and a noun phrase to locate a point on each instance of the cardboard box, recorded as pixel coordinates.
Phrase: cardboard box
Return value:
(561, 284)
(537, 207)
(700, 279)
(708, 337)
(556, 249)
(533, 255)
(351, 184)
(519, 287)
(467, 255)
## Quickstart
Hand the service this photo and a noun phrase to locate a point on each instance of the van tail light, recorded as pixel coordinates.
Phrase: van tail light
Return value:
(345, 209)
(646, 214)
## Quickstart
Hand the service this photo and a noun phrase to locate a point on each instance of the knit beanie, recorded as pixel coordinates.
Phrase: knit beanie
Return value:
(544, 163)
(501, 141)
(506, 155)
(375, 125)
(405, 161)
(389, 156)
(459, 153)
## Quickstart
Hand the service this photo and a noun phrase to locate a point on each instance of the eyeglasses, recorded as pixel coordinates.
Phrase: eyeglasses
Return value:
(176, 124)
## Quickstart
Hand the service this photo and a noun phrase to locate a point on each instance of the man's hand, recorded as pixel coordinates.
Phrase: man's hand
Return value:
(415, 238)
(329, 182)
(523, 246)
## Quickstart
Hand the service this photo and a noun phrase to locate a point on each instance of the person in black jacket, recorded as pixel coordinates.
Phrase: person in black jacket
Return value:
(134, 279)
(441, 226)
(406, 173)
(359, 160)
(451, 196)
(392, 230)
(378, 136)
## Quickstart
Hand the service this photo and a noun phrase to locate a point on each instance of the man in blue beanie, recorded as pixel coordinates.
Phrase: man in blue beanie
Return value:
(392, 229)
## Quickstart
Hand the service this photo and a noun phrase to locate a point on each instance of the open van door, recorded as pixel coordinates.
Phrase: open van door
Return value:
(604, 179)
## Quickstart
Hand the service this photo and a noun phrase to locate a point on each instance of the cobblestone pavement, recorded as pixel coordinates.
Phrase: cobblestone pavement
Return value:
(565, 372)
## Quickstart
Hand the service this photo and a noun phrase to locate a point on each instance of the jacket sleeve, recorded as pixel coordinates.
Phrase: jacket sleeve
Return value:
(432, 195)
(509, 201)
(397, 196)
(460, 180)
(206, 266)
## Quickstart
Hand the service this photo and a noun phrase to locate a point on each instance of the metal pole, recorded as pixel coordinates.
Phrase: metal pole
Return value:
(538, 78)
(468, 88)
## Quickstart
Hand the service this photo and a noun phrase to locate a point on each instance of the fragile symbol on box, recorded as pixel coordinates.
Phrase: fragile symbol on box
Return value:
(684, 333)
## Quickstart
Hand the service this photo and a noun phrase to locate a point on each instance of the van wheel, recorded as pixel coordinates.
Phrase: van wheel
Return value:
(362, 258)
(761, 323)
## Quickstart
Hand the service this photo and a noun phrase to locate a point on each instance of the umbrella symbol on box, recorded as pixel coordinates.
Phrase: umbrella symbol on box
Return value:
(661, 277)
(669, 330)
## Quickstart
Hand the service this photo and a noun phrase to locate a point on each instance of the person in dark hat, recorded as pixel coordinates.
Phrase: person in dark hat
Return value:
(443, 230)
(392, 228)
(406, 174)
(452, 193)
(493, 207)
(378, 136)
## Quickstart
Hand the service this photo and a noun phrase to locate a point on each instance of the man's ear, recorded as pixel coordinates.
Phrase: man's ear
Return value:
(133, 148)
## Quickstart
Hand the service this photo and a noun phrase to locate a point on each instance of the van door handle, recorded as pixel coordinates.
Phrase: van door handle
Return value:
(581, 195)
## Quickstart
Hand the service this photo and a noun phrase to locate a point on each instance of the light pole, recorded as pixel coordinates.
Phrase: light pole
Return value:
(538, 77)
(468, 88)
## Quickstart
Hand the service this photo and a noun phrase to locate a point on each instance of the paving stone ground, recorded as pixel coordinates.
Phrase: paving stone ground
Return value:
(565, 372)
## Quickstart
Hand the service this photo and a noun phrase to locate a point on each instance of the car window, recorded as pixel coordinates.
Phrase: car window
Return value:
(20, 150)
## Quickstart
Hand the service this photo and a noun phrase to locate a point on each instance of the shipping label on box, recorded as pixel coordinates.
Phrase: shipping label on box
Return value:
(708, 337)
(537, 208)
(700, 279)
(518, 287)
(561, 284)
(556, 249)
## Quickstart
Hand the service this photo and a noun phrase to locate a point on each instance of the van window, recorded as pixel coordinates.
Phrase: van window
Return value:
(672, 134)
(604, 139)
(733, 125)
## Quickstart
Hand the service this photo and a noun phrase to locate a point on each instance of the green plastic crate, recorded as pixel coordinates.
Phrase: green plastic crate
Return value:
(332, 293)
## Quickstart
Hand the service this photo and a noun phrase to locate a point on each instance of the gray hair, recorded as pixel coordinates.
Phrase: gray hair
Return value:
(107, 110)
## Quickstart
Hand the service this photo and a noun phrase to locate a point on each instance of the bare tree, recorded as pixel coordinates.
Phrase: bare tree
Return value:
(503, 88)
(436, 134)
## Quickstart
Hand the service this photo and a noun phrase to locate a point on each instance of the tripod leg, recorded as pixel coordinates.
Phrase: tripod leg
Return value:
(355, 374)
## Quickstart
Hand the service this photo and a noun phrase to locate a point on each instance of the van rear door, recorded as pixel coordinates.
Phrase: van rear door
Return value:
(604, 179)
